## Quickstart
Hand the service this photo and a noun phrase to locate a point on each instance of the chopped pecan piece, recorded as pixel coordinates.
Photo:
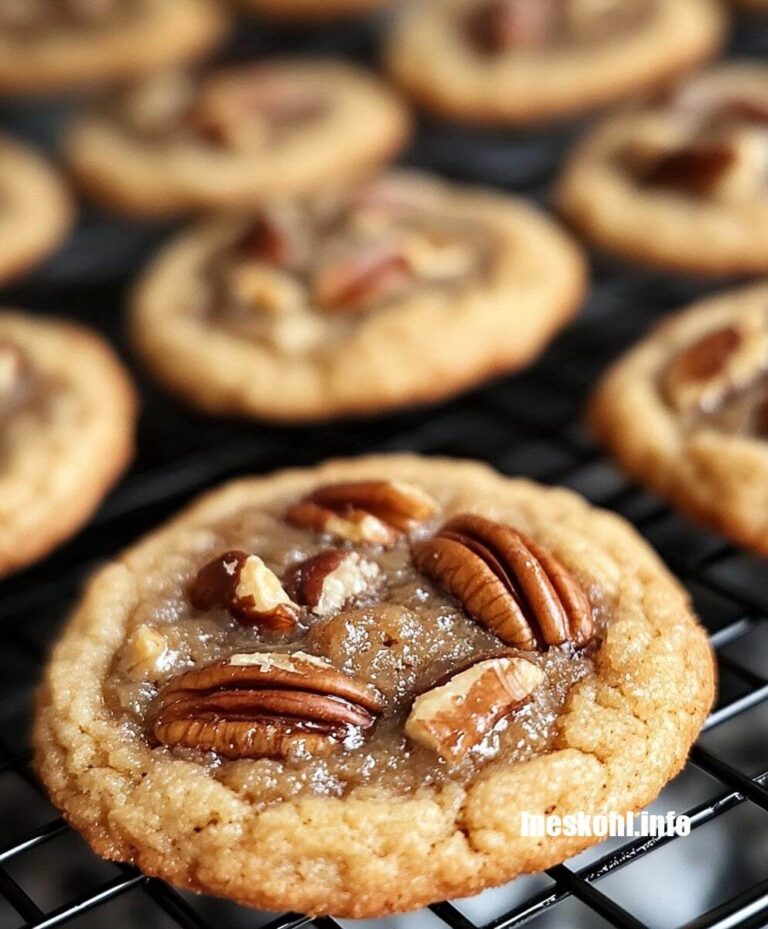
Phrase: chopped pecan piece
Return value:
(455, 717)
(275, 237)
(728, 359)
(264, 705)
(495, 26)
(265, 289)
(368, 274)
(239, 107)
(507, 582)
(696, 169)
(327, 582)
(244, 585)
(376, 512)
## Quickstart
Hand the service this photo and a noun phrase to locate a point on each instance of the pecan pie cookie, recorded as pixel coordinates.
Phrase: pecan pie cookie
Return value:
(314, 9)
(36, 209)
(686, 411)
(334, 307)
(51, 45)
(524, 61)
(681, 184)
(336, 690)
(67, 413)
(233, 138)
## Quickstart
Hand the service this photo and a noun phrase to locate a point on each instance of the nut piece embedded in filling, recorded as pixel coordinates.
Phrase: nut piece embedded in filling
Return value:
(328, 581)
(507, 582)
(372, 512)
(702, 376)
(244, 585)
(456, 716)
(265, 705)
(495, 26)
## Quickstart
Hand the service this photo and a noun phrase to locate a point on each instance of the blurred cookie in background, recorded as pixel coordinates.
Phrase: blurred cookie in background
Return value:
(686, 411)
(313, 9)
(406, 291)
(36, 209)
(49, 46)
(236, 137)
(67, 419)
(515, 62)
(683, 183)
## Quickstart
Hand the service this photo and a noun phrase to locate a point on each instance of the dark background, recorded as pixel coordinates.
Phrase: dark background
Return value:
(529, 424)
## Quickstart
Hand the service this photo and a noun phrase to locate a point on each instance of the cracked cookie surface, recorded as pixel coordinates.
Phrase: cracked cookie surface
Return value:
(67, 419)
(381, 819)
(335, 307)
(686, 411)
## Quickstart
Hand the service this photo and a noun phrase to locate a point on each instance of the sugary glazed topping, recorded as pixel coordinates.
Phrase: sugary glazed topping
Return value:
(721, 152)
(334, 659)
(301, 275)
(243, 108)
(495, 27)
(33, 18)
(721, 378)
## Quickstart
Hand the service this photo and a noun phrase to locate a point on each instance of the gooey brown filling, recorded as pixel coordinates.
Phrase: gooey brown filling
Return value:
(494, 27)
(239, 109)
(332, 699)
(312, 270)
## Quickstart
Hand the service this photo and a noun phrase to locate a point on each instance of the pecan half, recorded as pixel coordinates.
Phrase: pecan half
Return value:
(455, 717)
(244, 585)
(328, 581)
(719, 363)
(355, 281)
(376, 512)
(507, 582)
(495, 26)
(264, 705)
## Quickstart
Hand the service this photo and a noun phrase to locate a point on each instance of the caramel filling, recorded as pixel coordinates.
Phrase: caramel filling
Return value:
(300, 278)
(384, 680)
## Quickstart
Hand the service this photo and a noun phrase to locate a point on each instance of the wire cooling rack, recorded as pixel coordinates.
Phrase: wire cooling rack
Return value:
(529, 424)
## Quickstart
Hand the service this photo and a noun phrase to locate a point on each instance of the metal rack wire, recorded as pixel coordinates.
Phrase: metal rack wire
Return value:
(526, 424)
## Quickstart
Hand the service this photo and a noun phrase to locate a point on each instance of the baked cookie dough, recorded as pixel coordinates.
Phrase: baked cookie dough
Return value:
(336, 690)
(36, 209)
(55, 45)
(528, 61)
(686, 411)
(405, 291)
(233, 138)
(67, 412)
(680, 184)
(313, 9)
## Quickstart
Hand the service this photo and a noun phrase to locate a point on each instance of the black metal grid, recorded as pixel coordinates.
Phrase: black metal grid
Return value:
(528, 424)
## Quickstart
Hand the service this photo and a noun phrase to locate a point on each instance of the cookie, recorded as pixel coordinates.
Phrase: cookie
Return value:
(314, 9)
(333, 307)
(47, 46)
(36, 209)
(680, 184)
(235, 137)
(686, 411)
(514, 62)
(67, 412)
(317, 691)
